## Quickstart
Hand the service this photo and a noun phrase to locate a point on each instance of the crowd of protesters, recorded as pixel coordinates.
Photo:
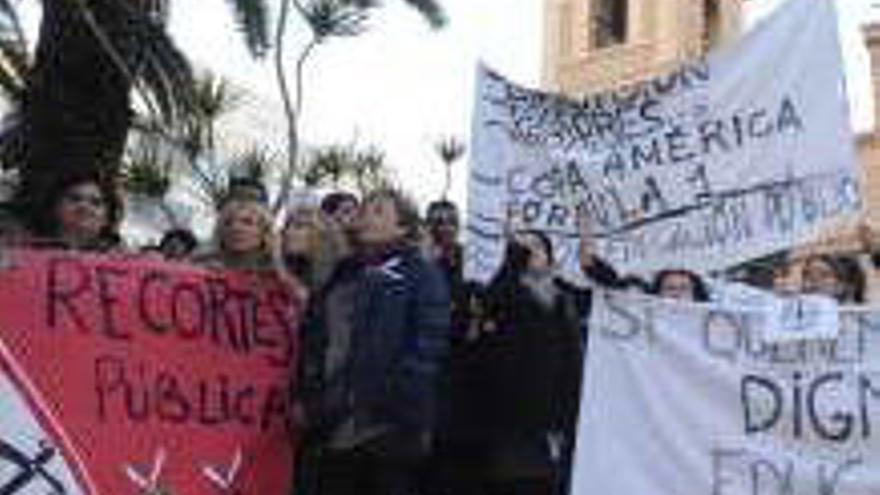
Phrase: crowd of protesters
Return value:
(412, 380)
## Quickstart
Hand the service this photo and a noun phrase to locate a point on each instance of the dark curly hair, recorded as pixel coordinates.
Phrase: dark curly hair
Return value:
(334, 200)
(42, 218)
(516, 262)
(700, 292)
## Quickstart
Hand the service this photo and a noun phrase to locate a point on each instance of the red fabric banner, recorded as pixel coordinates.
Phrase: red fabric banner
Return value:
(122, 375)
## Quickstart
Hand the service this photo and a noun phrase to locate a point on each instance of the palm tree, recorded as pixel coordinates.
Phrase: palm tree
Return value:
(75, 110)
(197, 149)
(15, 60)
(15, 66)
(214, 98)
(75, 95)
(450, 150)
(147, 171)
(254, 22)
(339, 165)
(326, 19)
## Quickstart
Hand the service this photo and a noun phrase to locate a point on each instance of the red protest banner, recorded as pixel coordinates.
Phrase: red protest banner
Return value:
(130, 376)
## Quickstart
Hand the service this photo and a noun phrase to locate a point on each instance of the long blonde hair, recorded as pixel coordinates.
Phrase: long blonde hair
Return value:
(325, 244)
(263, 256)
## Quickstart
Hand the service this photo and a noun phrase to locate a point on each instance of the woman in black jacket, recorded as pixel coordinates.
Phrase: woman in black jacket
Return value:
(533, 361)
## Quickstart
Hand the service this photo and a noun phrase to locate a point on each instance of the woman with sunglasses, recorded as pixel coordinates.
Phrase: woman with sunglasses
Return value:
(309, 248)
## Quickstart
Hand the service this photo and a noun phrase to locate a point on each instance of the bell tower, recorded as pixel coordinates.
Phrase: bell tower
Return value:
(591, 45)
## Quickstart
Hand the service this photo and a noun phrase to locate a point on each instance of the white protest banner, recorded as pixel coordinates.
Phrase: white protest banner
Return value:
(728, 158)
(689, 399)
(789, 317)
(804, 316)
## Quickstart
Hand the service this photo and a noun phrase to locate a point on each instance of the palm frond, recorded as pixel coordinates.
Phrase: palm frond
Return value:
(10, 23)
(132, 33)
(214, 96)
(12, 86)
(370, 170)
(16, 56)
(431, 10)
(166, 74)
(332, 165)
(335, 18)
(146, 170)
(254, 164)
(12, 142)
(15, 60)
(253, 22)
(325, 166)
(450, 150)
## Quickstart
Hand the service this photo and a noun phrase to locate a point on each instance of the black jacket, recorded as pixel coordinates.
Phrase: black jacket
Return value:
(400, 338)
(534, 360)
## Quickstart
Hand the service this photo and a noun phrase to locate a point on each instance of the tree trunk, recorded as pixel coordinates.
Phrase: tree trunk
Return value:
(76, 113)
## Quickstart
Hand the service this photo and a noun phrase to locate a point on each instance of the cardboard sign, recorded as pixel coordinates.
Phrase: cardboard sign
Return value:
(129, 376)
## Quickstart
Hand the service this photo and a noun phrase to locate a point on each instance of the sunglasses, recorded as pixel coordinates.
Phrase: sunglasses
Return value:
(442, 219)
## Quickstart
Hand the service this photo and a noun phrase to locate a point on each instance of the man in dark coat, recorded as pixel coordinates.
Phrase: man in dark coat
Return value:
(374, 347)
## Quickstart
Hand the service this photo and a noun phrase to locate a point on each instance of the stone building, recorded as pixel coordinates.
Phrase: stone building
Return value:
(592, 45)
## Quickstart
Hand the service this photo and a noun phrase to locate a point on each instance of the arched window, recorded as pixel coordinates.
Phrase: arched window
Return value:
(610, 22)
(712, 24)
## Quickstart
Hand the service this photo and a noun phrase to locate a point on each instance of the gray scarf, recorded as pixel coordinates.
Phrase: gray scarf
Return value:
(542, 285)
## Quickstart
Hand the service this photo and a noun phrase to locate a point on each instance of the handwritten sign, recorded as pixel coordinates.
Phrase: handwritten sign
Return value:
(127, 376)
(803, 317)
(687, 398)
(788, 318)
(725, 159)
